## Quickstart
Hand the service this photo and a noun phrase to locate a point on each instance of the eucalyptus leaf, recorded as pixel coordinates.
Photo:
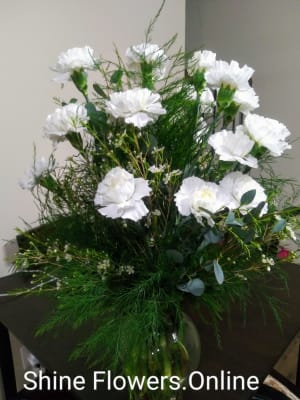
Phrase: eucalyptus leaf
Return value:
(213, 236)
(194, 286)
(255, 212)
(279, 226)
(218, 272)
(231, 220)
(248, 197)
(209, 267)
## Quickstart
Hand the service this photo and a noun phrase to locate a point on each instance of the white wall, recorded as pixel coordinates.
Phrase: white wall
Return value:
(32, 34)
(265, 35)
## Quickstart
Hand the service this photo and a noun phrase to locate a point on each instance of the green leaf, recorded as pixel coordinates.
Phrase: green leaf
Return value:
(75, 139)
(97, 119)
(248, 197)
(116, 76)
(247, 235)
(99, 90)
(231, 220)
(79, 77)
(213, 236)
(279, 226)
(198, 80)
(175, 256)
(219, 274)
(225, 96)
(257, 210)
(49, 183)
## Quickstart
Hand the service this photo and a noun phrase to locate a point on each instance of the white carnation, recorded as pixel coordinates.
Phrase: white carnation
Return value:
(74, 59)
(247, 100)
(207, 101)
(268, 133)
(119, 195)
(236, 184)
(69, 118)
(149, 53)
(200, 198)
(233, 146)
(223, 73)
(202, 60)
(33, 173)
(137, 106)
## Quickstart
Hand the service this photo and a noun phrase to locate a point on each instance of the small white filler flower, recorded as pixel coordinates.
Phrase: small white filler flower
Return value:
(120, 195)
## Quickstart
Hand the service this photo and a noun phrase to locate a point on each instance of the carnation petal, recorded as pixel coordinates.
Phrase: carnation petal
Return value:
(232, 146)
(268, 133)
(137, 106)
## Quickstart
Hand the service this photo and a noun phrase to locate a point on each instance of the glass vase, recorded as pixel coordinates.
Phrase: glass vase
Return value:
(169, 363)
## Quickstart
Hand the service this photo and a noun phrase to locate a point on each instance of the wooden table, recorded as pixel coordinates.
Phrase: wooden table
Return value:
(250, 348)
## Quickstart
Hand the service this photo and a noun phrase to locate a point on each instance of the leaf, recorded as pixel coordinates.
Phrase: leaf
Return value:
(218, 272)
(97, 119)
(279, 226)
(247, 235)
(213, 236)
(255, 212)
(116, 76)
(99, 90)
(75, 139)
(209, 267)
(248, 197)
(195, 286)
(203, 244)
(175, 256)
(231, 220)
(79, 78)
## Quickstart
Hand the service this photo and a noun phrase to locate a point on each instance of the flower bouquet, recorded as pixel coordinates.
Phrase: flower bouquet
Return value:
(168, 197)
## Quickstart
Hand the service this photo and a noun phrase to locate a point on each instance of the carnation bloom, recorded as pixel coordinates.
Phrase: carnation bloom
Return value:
(74, 59)
(268, 133)
(33, 173)
(246, 99)
(119, 195)
(236, 184)
(137, 106)
(202, 60)
(69, 118)
(283, 253)
(223, 73)
(200, 198)
(233, 146)
(149, 53)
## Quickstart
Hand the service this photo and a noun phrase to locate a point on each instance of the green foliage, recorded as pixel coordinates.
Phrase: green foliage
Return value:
(127, 279)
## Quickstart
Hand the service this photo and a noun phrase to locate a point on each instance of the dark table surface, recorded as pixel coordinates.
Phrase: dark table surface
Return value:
(248, 348)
